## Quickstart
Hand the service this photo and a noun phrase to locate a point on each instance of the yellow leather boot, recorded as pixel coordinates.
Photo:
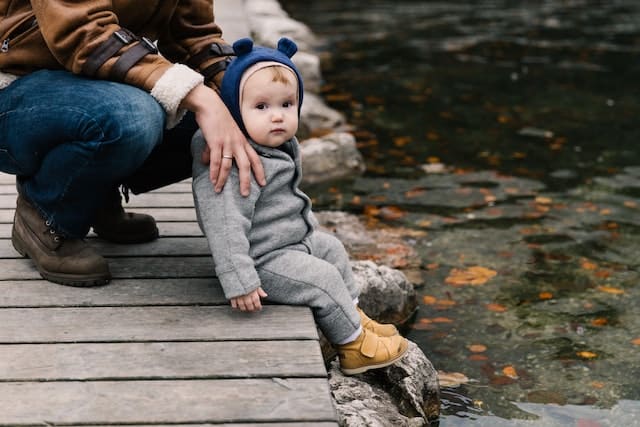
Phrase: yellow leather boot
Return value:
(381, 329)
(370, 351)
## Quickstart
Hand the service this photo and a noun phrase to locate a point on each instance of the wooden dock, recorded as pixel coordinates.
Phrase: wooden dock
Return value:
(157, 346)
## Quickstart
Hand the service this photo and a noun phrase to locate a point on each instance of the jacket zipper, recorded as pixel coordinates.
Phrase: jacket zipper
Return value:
(22, 28)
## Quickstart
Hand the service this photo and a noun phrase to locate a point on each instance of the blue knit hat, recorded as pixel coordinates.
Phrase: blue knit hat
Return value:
(246, 56)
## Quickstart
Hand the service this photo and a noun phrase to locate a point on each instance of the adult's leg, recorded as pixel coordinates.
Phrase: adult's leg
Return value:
(71, 140)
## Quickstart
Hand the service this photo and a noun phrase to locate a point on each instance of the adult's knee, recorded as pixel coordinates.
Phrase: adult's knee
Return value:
(132, 123)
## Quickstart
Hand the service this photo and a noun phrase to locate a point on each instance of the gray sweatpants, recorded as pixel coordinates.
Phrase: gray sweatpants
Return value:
(318, 276)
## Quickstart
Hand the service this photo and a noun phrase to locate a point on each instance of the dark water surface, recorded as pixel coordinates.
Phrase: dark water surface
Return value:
(506, 132)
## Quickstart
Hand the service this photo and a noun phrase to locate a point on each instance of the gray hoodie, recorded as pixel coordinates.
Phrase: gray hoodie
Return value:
(243, 229)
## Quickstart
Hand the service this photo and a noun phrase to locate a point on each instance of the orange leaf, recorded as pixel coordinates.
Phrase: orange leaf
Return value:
(600, 321)
(588, 265)
(391, 212)
(444, 303)
(635, 341)
(545, 295)
(477, 357)
(610, 290)
(630, 204)
(401, 141)
(597, 384)
(429, 300)
(510, 372)
(442, 320)
(602, 274)
(543, 200)
(495, 307)
(415, 192)
(477, 348)
(475, 275)
(587, 354)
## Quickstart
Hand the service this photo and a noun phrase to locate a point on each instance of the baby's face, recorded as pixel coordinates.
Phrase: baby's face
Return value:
(269, 107)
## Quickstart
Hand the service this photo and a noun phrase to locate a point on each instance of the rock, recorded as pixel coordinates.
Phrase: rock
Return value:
(316, 115)
(346, 227)
(330, 157)
(403, 394)
(268, 22)
(309, 67)
(385, 293)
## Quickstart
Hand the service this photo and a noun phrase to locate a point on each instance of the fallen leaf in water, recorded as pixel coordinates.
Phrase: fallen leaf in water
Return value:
(600, 321)
(441, 320)
(597, 384)
(476, 357)
(401, 141)
(543, 200)
(635, 341)
(429, 300)
(510, 372)
(477, 348)
(586, 354)
(545, 295)
(497, 308)
(415, 192)
(610, 290)
(391, 213)
(630, 204)
(475, 275)
(588, 265)
(451, 379)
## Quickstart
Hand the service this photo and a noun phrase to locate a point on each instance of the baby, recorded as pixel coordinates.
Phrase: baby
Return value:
(267, 245)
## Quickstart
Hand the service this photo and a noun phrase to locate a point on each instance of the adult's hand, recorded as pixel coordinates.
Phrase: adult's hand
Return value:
(225, 141)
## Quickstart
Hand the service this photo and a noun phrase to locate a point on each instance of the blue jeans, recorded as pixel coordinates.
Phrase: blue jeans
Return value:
(72, 141)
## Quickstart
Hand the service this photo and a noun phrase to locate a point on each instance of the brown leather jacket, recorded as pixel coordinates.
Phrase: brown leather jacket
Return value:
(59, 34)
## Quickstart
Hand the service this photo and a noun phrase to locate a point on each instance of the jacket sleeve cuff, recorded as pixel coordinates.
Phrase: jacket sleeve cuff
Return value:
(171, 89)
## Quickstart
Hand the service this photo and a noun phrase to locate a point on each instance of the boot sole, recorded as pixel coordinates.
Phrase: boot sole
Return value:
(363, 369)
(62, 279)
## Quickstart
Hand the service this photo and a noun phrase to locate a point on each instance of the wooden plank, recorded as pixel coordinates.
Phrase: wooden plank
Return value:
(125, 292)
(6, 178)
(149, 200)
(166, 246)
(124, 268)
(166, 229)
(203, 401)
(261, 424)
(166, 360)
(124, 324)
(160, 214)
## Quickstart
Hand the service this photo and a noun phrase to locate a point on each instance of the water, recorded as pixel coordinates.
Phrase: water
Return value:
(527, 111)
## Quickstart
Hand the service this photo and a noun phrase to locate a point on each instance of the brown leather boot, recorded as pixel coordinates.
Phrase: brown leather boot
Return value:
(116, 225)
(66, 261)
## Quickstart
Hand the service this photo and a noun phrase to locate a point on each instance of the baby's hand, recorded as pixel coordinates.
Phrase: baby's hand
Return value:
(249, 302)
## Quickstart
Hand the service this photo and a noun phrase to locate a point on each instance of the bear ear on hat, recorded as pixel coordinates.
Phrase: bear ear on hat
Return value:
(287, 46)
(243, 46)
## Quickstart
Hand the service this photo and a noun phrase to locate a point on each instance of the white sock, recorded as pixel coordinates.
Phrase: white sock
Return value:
(352, 337)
